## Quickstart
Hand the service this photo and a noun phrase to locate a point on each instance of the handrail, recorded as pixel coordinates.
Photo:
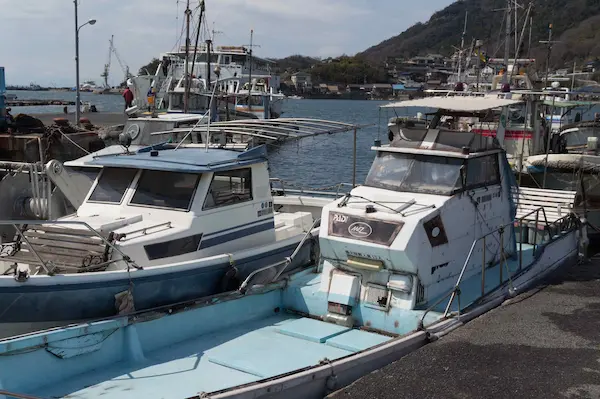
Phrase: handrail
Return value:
(145, 229)
(455, 291)
(287, 261)
(13, 223)
(317, 191)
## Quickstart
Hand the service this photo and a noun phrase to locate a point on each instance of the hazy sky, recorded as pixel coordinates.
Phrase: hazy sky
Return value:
(37, 36)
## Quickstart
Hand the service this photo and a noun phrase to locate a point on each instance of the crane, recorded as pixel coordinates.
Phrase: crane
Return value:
(113, 50)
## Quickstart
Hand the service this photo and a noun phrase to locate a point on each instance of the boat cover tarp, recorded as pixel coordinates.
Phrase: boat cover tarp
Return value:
(456, 103)
(587, 163)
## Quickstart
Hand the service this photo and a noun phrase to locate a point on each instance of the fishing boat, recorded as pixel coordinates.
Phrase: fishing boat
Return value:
(437, 235)
(572, 164)
(158, 225)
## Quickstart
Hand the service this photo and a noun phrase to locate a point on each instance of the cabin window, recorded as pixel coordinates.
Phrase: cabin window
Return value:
(483, 171)
(415, 173)
(177, 247)
(229, 188)
(165, 189)
(112, 184)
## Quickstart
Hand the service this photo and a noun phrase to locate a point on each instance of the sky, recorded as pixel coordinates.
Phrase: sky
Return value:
(37, 38)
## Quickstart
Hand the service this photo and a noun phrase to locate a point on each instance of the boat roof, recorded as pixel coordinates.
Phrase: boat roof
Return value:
(273, 129)
(167, 117)
(465, 102)
(441, 142)
(168, 157)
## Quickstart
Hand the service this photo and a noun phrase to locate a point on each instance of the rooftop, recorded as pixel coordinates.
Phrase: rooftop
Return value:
(165, 157)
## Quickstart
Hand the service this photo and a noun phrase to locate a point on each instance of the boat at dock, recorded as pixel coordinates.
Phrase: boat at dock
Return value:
(438, 234)
(159, 225)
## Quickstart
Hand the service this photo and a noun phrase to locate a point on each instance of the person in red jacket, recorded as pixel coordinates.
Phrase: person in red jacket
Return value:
(128, 96)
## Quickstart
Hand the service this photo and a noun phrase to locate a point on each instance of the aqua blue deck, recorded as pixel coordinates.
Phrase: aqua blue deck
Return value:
(212, 362)
(199, 350)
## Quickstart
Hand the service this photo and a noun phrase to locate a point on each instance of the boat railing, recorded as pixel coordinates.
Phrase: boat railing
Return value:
(280, 188)
(522, 226)
(285, 262)
(21, 227)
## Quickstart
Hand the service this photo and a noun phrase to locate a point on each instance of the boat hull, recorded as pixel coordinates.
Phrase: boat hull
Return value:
(67, 298)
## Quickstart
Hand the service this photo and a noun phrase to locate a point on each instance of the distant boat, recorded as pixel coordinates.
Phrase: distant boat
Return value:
(10, 96)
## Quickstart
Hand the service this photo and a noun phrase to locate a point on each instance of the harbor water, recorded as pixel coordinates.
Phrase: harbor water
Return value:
(315, 162)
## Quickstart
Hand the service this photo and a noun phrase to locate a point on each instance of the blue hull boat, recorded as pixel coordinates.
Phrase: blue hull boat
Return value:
(396, 267)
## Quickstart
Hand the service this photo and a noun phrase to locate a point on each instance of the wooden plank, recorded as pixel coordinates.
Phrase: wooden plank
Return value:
(69, 252)
(31, 259)
(64, 237)
(66, 244)
(546, 191)
(545, 204)
(63, 230)
(545, 197)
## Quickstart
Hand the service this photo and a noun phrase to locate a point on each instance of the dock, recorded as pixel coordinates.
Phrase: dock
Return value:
(96, 118)
(542, 344)
(36, 103)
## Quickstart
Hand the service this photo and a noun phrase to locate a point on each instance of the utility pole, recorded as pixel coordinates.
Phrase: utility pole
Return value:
(77, 91)
(186, 96)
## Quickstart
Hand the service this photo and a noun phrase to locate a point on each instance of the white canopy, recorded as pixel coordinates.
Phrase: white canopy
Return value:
(457, 103)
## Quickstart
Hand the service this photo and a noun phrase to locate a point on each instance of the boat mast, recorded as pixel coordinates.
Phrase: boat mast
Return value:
(186, 95)
(462, 47)
(250, 71)
(198, 37)
(507, 43)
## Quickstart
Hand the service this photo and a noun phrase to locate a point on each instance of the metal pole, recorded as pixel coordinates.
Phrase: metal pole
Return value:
(507, 43)
(186, 96)
(354, 162)
(78, 95)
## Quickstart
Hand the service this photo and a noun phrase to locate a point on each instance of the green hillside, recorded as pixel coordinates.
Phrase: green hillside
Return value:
(575, 24)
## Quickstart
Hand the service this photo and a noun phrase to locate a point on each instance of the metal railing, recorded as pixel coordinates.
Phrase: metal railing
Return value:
(564, 224)
(16, 223)
(144, 231)
(286, 262)
(321, 191)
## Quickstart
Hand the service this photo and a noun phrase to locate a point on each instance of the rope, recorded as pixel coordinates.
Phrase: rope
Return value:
(17, 395)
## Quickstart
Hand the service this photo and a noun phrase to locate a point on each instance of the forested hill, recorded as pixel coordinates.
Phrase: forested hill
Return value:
(576, 23)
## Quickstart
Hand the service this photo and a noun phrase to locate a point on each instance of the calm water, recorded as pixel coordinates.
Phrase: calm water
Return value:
(312, 162)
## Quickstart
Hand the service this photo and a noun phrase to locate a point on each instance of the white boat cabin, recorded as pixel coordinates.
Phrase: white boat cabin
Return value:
(162, 205)
(401, 239)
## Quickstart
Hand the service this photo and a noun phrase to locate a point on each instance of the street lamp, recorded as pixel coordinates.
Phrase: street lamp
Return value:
(77, 27)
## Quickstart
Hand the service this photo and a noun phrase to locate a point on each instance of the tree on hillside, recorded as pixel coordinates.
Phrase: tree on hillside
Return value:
(149, 68)
(347, 70)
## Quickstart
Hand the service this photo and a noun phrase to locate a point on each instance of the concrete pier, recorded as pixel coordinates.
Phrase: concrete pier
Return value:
(96, 118)
(542, 344)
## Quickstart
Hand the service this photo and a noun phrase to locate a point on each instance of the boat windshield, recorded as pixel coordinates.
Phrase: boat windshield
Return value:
(415, 173)
(579, 137)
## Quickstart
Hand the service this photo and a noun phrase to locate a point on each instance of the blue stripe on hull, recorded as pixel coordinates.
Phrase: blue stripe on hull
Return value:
(31, 304)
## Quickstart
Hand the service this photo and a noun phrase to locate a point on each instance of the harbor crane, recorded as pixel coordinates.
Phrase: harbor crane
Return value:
(113, 50)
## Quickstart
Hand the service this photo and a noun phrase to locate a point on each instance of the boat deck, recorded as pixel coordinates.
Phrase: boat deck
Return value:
(542, 344)
(212, 362)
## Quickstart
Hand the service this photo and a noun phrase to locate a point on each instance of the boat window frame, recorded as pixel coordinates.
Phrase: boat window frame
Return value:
(97, 181)
(484, 184)
(214, 207)
(190, 204)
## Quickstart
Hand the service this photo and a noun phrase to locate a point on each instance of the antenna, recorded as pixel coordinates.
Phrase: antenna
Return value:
(549, 44)
(251, 47)
(214, 32)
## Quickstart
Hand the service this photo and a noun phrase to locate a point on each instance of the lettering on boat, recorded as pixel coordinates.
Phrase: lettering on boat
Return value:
(360, 230)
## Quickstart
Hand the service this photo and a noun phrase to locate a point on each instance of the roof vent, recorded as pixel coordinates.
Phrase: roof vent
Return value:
(154, 153)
